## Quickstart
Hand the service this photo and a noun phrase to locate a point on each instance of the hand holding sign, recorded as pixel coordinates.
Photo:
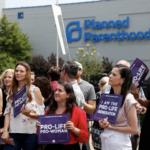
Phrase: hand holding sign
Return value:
(104, 123)
(24, 111)
(70, 126)
(135, 91)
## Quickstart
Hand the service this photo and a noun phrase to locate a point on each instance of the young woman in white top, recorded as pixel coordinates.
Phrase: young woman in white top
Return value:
(6, 79)
(117, 137)
(22, 127)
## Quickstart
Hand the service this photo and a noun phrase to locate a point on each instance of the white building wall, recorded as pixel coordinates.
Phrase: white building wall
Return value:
(39, 24)
(2, 5)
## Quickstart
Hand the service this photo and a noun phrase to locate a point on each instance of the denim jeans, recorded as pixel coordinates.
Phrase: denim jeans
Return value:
(25, 141)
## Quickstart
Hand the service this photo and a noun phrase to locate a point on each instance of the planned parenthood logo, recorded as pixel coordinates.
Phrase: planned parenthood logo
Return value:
(69, 32)
(92, 25)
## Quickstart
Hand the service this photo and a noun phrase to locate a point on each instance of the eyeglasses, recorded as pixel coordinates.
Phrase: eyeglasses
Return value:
(60, 70)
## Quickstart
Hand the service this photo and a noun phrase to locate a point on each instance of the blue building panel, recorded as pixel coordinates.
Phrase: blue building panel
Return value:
(20, 15)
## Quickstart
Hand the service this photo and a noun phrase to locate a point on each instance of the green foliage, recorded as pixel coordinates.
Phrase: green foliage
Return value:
(52, 60)
(6, 62)
(13, 41)
(107, 65)
(90, 60)
(41, 66)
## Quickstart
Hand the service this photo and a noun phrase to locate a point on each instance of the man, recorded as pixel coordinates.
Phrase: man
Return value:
(88, 91)
(139, 108)
(32, 77)
(89, 95)
(69, 74)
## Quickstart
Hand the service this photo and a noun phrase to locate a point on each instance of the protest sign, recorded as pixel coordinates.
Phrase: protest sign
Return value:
(139, 71)
(19, 99)
(52, 129)
(90, 117)
(108, 106)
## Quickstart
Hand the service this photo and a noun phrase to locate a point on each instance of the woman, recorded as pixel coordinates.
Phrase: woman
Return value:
(65, 102)
(96, 129)
(46, 90)
(6, 79)
(22, 128)
(54, 75)
(117, 137)
(145, 131)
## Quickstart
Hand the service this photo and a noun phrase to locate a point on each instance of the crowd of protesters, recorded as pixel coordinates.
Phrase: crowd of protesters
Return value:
(65, 92)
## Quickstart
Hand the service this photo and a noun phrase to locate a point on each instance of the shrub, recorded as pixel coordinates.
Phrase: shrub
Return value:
(107, 65)
(90, 60)
(52, 60)
(41, 66)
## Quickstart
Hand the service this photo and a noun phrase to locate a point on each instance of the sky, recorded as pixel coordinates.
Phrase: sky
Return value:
(25, 3)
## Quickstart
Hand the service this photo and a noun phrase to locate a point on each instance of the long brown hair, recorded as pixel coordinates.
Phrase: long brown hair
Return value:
(14, 85)
(70, 102)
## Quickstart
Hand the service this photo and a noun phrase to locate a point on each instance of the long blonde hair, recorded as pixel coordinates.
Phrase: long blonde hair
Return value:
(3, 76)
(14, 85)
(104, 83)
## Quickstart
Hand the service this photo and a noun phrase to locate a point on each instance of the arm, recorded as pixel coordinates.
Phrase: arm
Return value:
(90, 106)
(1, 102)
(28, 113)
(82, 125)
(38, 99)
(5, 134)
(81, 131)
(38, 96)
(132, 120)
(143, 102)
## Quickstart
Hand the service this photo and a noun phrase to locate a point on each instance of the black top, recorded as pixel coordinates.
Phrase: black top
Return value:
(4, 106)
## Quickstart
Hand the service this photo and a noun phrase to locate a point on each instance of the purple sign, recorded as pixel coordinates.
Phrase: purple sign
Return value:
(108, 106)
(139, 71)
(52, 129)
(90, 117)
(19, 99)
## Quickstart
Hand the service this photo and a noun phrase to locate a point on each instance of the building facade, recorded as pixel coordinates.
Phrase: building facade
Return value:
(119, 29)
(2, 5)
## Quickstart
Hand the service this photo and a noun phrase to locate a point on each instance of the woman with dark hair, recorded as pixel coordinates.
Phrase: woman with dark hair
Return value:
(22, 128)
(117, 137)
(46, 89)
(145, 131)
(65, 102)
(54, 76)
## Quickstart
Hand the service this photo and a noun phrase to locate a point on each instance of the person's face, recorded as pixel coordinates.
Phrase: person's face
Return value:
(60, 94)
(20, 73)
(8, 79)
(32, 79)
(115, 78)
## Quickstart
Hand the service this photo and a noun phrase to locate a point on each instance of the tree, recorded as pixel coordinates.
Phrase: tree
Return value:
(6, 62)
(13, 42)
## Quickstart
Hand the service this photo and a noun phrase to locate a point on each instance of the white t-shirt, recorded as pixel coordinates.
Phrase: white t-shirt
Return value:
(22, 123)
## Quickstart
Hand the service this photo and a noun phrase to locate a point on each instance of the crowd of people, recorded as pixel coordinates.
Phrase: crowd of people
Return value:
(65, 92)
